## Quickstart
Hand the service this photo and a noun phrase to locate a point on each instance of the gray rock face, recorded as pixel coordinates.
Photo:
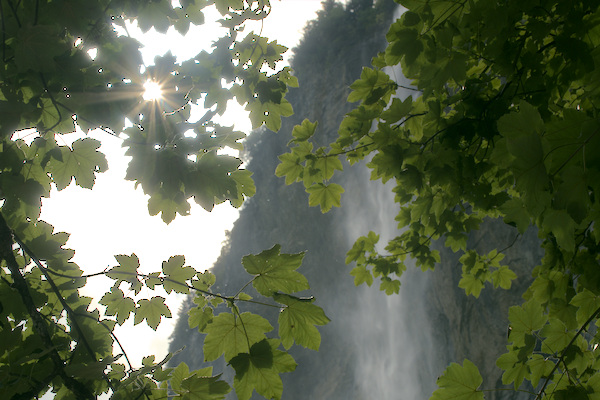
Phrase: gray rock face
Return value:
(465, 327)
(377, 346)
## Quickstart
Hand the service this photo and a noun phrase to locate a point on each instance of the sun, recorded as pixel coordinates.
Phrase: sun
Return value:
(153, 91)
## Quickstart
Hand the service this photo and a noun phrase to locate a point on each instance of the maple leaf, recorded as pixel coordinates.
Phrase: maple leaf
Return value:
(297, 321)
(459, 383)
(117, 304)
(304, 131)
(230, 334)
(291, 167)
(274, 272)
(259, 369)
(176, 274)
(82, 162)
(126, 271)
(204, 388)
(151, 311)
(326, 196)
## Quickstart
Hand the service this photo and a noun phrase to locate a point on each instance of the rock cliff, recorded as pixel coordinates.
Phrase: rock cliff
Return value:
(376, 347)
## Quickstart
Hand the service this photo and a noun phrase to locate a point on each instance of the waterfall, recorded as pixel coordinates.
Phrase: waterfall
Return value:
(391, 335)
(376, 346)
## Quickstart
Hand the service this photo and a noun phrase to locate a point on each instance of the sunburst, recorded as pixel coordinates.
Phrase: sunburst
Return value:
(152, 91)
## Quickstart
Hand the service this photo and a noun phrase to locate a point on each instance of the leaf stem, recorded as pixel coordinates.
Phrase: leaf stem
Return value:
(39, 325)
(585, 324)
(62, 301)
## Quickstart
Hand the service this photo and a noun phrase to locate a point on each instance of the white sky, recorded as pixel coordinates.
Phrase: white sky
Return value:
(113, 218)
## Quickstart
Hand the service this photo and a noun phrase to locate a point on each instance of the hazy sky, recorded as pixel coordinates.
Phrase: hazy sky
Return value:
(113, 218)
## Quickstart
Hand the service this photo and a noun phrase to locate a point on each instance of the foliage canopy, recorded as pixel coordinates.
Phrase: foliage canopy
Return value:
(503, 123)
(66, 68)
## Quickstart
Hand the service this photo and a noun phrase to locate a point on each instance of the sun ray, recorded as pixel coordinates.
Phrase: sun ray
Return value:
(153, 91)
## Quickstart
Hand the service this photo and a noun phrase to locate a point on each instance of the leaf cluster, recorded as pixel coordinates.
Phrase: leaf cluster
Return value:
(71, 66)
(499, 119)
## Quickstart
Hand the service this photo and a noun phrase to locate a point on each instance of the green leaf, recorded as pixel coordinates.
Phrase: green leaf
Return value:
(204, 388)
(304, 131)
(327, 166)
(363, 245)
(269, 113)
(291, 167)
(557, 336)
(326, 196)
(516, 214)
(522, 131)
(503, 277)
(37, 46)
(372, 86)
(459, 383)
(53, 119)
(389, 285)
(275, 272)
(297, 321)
(514, 369)
(153, 279)
(361, 275)
(168, 205)
(397, 110)
(230, 334)
(199, 317)
(539, 367)
(126, 271)
(245, 186)
(151, 311)
(587, 303)
(178, 374)
(526, 319)
(562, 226)
(259, 370)
(82, 162)
(117, 304)
(471, 284)
(176, 274)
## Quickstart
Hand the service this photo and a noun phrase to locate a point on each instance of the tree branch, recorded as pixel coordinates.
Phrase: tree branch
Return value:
(66, 307)
(585, 324)
(39, 325)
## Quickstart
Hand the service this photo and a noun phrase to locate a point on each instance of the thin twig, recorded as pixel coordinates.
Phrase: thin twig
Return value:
(39, 325)
(585, 324)
(62, 301)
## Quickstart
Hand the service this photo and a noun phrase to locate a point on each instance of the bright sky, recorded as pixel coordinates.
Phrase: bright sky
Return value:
(113, 218)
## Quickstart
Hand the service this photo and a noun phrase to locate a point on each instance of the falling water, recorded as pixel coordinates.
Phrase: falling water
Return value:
(392, 334)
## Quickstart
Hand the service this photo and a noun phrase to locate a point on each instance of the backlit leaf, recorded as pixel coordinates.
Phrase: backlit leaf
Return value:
(259, 370)
(82, 162)
(151, 311)
(230, 334)
(176, 274)
(514, 369)
(362, 275)
(275, 272)
(297, 321)
(304, 131)
(117, 304)
(126, 271)
(204, 388)
(459, 383)
(325, 196)
(503, 277)
(526, 319)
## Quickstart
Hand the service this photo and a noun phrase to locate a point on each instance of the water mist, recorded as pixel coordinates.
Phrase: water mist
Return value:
(391, 334)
